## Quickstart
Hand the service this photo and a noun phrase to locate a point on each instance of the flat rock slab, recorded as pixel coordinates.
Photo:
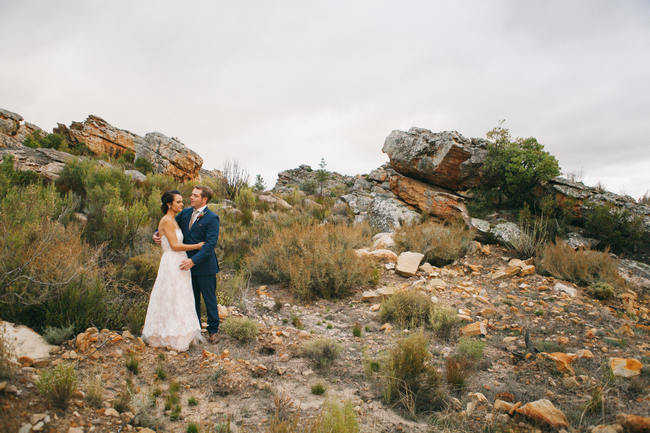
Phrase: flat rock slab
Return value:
(408, 263)
(26, 342)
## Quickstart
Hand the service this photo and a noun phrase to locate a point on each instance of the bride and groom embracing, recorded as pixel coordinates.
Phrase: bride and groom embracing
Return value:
(187, 271)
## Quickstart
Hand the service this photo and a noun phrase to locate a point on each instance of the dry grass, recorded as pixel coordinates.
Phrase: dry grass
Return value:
(58, 383)
(407, 377)
(241, 328)
(581, 267)
(409, 309)
(441, 244)
(7, 366)
(316, 261)
(322, 351)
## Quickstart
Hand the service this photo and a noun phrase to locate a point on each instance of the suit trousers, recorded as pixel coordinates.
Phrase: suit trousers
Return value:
(206, 285)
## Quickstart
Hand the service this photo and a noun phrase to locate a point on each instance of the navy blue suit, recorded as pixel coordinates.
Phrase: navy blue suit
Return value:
(204, 271)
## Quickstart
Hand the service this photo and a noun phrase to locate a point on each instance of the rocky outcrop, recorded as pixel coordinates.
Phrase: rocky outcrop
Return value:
(167, 155)
(46, 162)
(429, 199)
(445, 159)
(305, 178)
(13, 129)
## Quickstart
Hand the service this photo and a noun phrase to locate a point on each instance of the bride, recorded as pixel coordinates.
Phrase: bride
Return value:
(171, 316)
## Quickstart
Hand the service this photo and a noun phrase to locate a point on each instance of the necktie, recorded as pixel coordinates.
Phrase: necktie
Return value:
(193, 219)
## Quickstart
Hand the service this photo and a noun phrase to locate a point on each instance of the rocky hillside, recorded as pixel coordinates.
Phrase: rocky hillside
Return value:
(550, 351)
(166, 155)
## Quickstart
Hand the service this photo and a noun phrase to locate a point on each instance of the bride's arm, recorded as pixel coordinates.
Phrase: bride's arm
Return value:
(167, 229)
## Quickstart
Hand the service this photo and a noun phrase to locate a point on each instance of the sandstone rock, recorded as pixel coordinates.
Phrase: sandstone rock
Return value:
(383, 240)
(136, 176)
(381, 255)
(476, 328)
(577, 241)
(432, 200)
(303, 176)
(634, 423)
(566, 289)
(25, 428)
(544, 411)
(408, 263)
(562, 361)
(26, 343)
(46, 162)
(387, 328)
(388, 213)
(625, 367)
(275, 201)
(111, 412)
(502, 406)
(611, 428)
(505, 233)
(445, 159)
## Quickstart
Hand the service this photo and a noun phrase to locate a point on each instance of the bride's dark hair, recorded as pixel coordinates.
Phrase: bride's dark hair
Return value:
(167, 197)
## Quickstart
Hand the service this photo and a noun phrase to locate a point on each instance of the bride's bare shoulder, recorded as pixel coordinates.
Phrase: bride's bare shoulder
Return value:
(166, 222)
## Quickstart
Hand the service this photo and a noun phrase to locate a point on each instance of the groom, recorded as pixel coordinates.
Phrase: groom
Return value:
(200, 224)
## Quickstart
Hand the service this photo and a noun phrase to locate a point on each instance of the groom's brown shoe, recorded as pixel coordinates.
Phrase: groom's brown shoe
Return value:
(214, 338)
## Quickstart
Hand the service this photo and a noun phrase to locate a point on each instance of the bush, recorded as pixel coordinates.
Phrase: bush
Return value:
(408, 378)
(7, 366)
(54, 141)
(513, 168)
(132, 363)
(581, 267)
(600, 290)
(322, 351)
(616, 228)
(409, 309)
(245, 202)
(471, 347)
(57, 384)
(336, 418)
(142, 269)
(235, 178)
(241, 328)
(57, 335)
(443, 320)
(458, 369)
(441, 244)
(10, 177)
(231, 289)
(318, 388)
(315, 261)
(192, 428)
(143, 165)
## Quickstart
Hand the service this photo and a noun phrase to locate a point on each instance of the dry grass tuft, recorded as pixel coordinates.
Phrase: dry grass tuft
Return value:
(581, 267)
(322, 351)
(241, 328)
(408, 309)
(441, 244)
(58, 383)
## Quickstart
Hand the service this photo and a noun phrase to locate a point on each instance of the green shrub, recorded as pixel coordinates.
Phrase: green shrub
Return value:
(356, 330)
(315, 261)
(318, 388)
(10, 177)
(143, 268)
(513, 168)
(441, 244)
(335, 417)
(443, 320)
(245, 202)
(581, 267)
(192, 401)
(322, 351)
(616, 228)
(600, 290)
(57, 335)
(57, 384)
(407, 377)
(7, 366)
(241, 328)
(471, 347)
(143, 165)
(408, 308)
(55, 141)
(192, 428)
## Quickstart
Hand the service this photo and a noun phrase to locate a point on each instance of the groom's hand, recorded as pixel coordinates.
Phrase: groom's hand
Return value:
(156, 237)
(187, 264)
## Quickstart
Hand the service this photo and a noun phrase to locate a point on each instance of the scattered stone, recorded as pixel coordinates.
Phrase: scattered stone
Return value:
(408, 263)
(387, 328)
(544, 411)
(566, 289)
(625, 367)
(111, 412)
(634, 423)
(476, 328)
(611, 428)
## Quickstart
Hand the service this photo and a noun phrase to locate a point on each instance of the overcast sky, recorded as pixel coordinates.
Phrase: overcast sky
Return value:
(275, 84)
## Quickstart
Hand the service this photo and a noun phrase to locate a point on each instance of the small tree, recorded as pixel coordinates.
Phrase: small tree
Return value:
(259, 183)
(321, 175)
(235, 178)
(514, 167)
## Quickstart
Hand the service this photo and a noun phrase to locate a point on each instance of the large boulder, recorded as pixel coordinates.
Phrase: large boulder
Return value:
(167, 155)
(432, 200)
(445, 159)
(13, 129)
(46, 162)
(306, 179)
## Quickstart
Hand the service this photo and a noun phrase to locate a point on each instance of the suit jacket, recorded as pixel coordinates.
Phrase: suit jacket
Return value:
(204, 229)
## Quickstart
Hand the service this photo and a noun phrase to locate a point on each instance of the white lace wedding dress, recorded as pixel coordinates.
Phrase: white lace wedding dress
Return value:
(171, 317)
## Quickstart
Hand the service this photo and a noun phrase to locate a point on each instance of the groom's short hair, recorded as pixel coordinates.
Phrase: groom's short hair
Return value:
(206, 191)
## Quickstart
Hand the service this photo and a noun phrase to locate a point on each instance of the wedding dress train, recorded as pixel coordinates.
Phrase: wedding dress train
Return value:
(171, 316)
